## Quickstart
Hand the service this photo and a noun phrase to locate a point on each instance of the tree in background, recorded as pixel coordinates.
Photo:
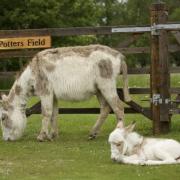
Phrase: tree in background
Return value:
(26, 14)
(21, 14)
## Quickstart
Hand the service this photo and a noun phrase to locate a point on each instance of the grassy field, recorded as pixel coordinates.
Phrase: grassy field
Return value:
(72, 156)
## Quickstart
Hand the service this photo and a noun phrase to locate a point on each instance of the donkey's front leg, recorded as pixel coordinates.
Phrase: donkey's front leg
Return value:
(54, 125)
(47, 110)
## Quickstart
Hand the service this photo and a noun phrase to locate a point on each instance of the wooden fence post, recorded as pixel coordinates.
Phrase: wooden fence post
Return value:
(160, 75)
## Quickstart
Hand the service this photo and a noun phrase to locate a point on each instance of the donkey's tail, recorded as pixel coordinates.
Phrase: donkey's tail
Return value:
(127, 97)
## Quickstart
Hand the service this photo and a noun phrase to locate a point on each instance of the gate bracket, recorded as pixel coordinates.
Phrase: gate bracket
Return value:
(156, 99)
(154, 30)
(168, 101)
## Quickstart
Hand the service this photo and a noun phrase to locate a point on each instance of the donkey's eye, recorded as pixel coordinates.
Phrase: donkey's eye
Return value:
(118, 144)
(4, 117)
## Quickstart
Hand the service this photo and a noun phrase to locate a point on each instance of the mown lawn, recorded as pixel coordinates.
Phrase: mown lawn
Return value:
(72, 156)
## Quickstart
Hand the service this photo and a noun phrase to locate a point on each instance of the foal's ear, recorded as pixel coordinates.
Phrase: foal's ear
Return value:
(120, 125)
(131, 127)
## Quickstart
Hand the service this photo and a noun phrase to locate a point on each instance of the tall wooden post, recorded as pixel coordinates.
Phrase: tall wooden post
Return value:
(160, 75)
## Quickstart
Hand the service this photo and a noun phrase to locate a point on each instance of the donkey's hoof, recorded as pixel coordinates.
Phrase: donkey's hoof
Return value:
(40, 139)
(43, 137)
(53, 135)
(92, 136)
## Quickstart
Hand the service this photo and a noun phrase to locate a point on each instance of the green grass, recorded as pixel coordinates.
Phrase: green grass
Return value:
(72, 156)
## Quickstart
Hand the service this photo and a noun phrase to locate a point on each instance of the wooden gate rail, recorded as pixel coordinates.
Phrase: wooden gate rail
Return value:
(175, 90)
(36, 109)
(59, 32)
(135, 108)
(131, 71)
(127, 50)
(72, 31)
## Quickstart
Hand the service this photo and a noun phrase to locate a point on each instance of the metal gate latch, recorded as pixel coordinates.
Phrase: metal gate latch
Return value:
(154, 30)
(168, 101)
(156, 99)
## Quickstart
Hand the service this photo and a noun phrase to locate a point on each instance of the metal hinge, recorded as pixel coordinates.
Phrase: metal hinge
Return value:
(154, 30)
(156, 99)
(168, 101)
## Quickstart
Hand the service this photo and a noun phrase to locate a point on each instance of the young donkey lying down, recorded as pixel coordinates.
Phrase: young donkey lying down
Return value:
(131, 148)
(70, 73)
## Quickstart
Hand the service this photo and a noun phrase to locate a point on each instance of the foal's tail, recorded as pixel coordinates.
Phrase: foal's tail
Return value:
(127, 97)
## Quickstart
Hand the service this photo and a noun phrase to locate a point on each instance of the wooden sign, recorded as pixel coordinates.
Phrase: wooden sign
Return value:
(25, 42)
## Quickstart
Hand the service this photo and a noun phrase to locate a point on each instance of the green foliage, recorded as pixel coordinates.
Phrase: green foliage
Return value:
(47, 13)
(25, 14)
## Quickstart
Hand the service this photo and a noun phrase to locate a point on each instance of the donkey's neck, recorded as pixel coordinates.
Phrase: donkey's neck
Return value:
(19, 93)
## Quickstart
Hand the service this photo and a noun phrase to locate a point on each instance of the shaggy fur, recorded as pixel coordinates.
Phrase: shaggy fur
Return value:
(72, 74)
(131, 148)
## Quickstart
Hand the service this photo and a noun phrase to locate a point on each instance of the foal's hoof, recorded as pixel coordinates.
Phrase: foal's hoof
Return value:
(142, 163)
(92, 136)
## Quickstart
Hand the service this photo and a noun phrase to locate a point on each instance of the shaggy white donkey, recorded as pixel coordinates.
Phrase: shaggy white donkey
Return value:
(70, 73)
(131, 148)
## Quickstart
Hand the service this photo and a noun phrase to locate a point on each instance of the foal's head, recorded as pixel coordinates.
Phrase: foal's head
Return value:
(118, 140)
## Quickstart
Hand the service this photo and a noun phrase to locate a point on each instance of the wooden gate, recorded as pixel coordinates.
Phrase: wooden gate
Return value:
(161, 107)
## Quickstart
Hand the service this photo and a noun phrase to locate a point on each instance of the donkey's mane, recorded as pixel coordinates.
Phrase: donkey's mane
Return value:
(18, 74)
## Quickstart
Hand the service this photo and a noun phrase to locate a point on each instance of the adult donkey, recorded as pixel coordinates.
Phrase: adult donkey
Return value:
(68, 73)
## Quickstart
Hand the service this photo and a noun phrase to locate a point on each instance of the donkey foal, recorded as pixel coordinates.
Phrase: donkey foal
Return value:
(131, 148)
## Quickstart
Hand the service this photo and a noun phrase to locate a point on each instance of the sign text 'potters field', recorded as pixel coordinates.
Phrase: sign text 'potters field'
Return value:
(25, 42)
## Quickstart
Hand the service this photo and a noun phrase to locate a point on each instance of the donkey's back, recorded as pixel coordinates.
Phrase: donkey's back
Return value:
(76, 73)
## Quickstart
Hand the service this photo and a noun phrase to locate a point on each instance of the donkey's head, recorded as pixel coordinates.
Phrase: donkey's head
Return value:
(13, 120)
(118, 140)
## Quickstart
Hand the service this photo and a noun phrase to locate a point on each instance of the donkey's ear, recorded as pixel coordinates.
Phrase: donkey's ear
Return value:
(120, 125)
(1, 103)
(4, 101)
(131, 127)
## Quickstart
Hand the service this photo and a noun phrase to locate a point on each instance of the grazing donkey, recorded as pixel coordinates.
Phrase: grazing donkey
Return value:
(131, 148)
(68, 73)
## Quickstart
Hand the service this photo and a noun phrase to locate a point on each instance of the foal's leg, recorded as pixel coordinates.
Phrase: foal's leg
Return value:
(133, 159)
(54, 125)
(158, 162)
(104, 111)
(47, 110)
(163, 157)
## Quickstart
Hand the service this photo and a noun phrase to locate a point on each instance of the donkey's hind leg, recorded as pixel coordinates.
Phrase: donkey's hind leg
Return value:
(47, 110)
(109, 92)
(104, 111)
(54, 125)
